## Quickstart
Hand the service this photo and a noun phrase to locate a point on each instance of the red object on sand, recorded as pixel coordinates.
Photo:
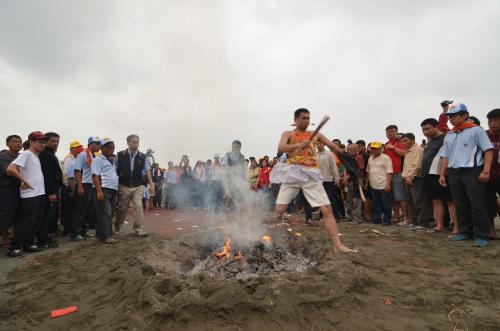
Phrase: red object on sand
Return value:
(63, 311)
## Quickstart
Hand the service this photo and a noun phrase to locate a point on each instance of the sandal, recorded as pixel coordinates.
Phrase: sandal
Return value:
(110, 241)
(453, 234)
(438, 229)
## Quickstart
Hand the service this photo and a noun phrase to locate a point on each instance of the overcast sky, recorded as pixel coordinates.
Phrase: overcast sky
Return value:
(191, 76)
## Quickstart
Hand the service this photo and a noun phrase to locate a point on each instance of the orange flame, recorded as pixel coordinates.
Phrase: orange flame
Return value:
(266, 239)
(226, 251)
(238, 255)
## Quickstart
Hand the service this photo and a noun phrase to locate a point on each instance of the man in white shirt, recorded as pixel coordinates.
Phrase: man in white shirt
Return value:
(27, 169)
(380, 179)
(84, 217)
(105, 181)
(171, 180)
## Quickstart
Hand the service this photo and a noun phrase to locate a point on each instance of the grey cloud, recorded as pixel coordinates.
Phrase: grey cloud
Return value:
(191, 76)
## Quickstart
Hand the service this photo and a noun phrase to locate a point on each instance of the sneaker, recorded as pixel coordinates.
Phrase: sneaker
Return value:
(140, 233)
(411, 225)
(53, 243)
(480, 243)
(77, 238)
(460, 237)
(110, 241)
(87, 235)
(419, 228)
(32, 249)
(355, 222)
(15, 253)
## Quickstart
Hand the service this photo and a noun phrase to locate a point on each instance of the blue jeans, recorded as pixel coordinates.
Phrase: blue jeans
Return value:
(381, 205)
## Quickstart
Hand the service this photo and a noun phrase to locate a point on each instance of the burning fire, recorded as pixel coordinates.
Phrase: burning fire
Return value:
(266, 239)
(226, 251)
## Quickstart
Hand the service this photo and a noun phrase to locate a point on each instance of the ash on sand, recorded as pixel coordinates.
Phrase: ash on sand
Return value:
(260, 261)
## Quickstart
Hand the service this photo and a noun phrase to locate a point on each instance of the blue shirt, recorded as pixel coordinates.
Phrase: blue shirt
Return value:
(171, 177)
(464, 149)
(82, 166)
(105, 169)
(69, 168)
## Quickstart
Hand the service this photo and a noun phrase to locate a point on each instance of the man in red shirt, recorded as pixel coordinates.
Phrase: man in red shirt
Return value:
(396, 151)
(493, 185)
(443, 118)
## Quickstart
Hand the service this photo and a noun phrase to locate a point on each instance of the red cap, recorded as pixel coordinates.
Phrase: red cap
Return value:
(36, 135)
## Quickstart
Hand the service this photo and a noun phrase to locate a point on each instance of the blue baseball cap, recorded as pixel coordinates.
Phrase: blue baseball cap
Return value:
(94, 139)
(460, 108)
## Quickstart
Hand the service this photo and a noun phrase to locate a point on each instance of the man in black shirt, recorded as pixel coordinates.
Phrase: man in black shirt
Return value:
(235, 182)
(133, 172)
(53, 180)
(157, 177)
(430, 170)
(9, 187)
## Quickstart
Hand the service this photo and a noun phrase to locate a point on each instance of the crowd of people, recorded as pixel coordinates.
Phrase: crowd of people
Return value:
(450, 181)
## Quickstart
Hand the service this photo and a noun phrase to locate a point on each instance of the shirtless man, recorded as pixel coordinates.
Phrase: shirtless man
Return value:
(301, 171)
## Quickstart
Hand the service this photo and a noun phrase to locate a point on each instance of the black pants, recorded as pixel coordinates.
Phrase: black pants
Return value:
(382, 204)
(308, 211)
(104, 211)
(157, 197)
(492, 191)
(27, 227)
(172, 191)
(419, 206)
(68, 210)
(84, 214)
(469, 197)
(275, 189)
(335, 197)
(10, 206)
(216, 193)
(48, 224)
(333, 194)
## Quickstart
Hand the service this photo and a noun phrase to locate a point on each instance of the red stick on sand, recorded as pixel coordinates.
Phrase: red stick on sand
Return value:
(63, 311)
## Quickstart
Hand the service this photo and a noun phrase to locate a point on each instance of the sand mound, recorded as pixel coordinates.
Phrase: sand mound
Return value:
(401, 280)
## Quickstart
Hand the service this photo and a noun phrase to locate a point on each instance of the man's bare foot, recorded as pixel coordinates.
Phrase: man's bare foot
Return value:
(344, 249)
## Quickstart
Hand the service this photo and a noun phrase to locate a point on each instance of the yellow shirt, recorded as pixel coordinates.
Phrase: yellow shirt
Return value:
(253, 175)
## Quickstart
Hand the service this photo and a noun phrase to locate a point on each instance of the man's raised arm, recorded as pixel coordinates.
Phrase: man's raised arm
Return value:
(334, 148)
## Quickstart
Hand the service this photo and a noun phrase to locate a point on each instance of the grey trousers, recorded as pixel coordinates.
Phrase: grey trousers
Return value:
(419, 205)
(125, 195)
(354, 205)
(469, 197)
(105, 211)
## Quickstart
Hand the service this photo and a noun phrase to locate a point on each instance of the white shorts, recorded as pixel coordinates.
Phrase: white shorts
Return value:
(313, 191)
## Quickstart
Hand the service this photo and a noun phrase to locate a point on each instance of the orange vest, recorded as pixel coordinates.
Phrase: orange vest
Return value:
(303, 156)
